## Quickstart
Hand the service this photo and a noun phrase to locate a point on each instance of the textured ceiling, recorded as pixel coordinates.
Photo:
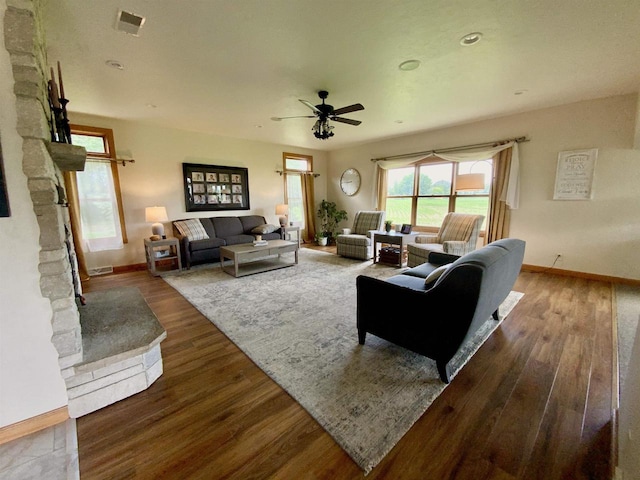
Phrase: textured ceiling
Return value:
(226, 67)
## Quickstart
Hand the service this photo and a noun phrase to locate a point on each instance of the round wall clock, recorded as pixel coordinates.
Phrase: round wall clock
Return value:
(350, 181)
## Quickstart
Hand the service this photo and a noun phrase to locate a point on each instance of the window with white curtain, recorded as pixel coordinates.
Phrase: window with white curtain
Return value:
(295, 166)
(99, 199)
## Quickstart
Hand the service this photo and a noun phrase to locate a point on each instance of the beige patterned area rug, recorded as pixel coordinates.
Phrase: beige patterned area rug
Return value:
(298, 324)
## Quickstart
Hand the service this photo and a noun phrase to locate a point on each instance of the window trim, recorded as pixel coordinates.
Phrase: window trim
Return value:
(452, 197)
(106, 134)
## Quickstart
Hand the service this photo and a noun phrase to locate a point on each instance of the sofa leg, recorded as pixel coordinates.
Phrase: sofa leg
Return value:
(495, 316)
(361, 335)
(444, 370)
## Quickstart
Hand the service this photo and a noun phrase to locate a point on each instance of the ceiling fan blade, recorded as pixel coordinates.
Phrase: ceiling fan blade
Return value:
(277, 119)
(311, 106)
(351, 108)
(346, 120)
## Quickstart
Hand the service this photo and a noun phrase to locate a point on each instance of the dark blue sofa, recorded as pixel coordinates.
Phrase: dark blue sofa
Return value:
(442, 316)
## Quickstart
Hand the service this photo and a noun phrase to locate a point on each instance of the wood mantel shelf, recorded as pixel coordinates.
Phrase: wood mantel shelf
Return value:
(68, 158)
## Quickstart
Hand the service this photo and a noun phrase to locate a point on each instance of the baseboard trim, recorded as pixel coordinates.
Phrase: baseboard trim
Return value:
(588, 276)
(33, 424)
(136, 267)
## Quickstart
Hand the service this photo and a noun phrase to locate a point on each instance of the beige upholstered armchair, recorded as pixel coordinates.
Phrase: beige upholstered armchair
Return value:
(359, 242)
(458, 235)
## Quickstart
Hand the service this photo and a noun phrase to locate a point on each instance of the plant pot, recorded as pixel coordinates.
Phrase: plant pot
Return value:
(387, 227)
(322, 241)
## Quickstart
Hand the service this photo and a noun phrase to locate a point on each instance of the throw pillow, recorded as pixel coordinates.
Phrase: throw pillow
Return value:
(262, 229)
(435, 275)
(192, 229)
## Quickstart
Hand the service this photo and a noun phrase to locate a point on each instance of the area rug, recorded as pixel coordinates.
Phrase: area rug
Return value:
(298, 324)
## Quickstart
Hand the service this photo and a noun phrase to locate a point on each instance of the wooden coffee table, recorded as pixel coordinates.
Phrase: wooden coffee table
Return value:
(247, 258)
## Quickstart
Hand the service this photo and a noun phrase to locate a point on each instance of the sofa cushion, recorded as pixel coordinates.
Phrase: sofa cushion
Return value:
(366, 221)
(457, 228)
(249, 222)
(353, 239)
(264, 229)
(227, 226)
(206, 244)
(192, 229)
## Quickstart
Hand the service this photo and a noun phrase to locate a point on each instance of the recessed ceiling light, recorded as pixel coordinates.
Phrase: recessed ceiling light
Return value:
(258, 126)
(399, 121)
(409, 65)
(470, 39)
(115, 64)
(151, 105)
(520, 92)
(276, 119)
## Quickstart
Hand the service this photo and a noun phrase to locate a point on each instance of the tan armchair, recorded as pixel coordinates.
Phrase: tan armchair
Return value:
(359, 242)
(458, 235)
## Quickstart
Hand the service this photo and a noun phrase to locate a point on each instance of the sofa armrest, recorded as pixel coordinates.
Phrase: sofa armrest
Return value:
(427, 238)
(185, 252)
(455, 247)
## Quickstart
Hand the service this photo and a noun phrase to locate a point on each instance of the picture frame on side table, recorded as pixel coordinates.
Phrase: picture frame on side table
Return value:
(209, 187)
(406, 228)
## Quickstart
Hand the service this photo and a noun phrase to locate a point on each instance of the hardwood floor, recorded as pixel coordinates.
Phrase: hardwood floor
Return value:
(533, 403)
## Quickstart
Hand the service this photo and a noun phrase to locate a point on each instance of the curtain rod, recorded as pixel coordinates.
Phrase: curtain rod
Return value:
(452, 149)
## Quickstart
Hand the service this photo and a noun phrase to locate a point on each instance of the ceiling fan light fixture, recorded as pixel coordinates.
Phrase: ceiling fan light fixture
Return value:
(470, 39)
(409, 65)
(322, 129)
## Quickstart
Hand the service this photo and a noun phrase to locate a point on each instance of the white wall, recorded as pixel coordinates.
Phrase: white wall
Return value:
(600, 236)
(30, 379)
(156, 176)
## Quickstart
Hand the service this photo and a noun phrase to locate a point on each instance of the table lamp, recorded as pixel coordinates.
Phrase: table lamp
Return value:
(156, 215)
(282, 209)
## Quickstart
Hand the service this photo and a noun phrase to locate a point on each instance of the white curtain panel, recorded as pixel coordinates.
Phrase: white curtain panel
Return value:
(511, 195)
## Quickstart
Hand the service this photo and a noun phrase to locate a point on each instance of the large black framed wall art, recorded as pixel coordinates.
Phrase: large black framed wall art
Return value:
(215, 187)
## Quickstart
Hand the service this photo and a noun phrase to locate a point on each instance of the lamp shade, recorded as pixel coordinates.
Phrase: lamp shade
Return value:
(156, 215)
(470, 181)
(282, 209)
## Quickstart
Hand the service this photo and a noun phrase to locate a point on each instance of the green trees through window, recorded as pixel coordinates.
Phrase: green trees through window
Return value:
(425, 202)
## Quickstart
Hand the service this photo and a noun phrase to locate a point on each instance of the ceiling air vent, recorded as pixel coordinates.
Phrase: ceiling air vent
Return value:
(130, 23)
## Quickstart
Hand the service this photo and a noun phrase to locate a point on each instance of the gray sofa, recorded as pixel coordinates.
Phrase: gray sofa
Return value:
(444, 301)
(221, 231)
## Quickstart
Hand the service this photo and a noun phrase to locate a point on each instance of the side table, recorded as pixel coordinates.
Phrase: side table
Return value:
(285, 233)
(163, 250)
(392, 238)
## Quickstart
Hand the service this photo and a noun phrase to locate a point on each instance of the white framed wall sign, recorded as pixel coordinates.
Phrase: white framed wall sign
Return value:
(574, 176)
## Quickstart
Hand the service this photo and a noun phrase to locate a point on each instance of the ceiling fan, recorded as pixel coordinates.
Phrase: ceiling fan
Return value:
(325, 112)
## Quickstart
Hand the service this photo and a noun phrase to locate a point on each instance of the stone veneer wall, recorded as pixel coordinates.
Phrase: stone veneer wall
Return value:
(25, 42)
(52, 452)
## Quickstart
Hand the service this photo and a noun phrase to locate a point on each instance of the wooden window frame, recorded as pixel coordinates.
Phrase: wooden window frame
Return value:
(110, 154)
(453, 196)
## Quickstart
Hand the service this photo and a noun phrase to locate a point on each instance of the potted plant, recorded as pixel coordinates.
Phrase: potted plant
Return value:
(387, 225)
(330, 216)
(321, 239)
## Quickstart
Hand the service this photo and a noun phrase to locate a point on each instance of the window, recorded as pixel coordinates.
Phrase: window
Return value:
(99, 199)
(423, 194)
(295, 166)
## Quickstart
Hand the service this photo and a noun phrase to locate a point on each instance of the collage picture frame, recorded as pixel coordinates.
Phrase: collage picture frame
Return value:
(215, 187)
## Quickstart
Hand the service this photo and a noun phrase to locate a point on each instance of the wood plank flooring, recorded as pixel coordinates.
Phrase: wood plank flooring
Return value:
(533, 403)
